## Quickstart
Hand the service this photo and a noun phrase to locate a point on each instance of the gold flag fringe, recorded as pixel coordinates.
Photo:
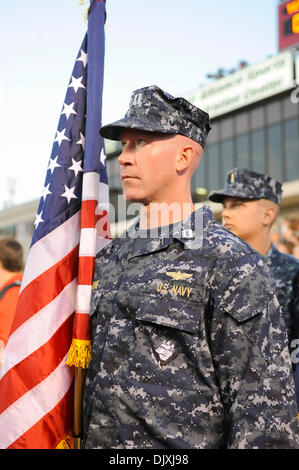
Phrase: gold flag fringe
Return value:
(66, 443)
(81, 3)
(80, 353)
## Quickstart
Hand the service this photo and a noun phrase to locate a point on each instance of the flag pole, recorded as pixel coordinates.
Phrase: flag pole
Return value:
(94, 186)
(78, 401)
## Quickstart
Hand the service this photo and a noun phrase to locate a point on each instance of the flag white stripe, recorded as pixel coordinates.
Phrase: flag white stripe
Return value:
(35, 404)
(39, 328)
(103, 196)
(87, 242)
(83, 298)
(90, 186)
(52, 248)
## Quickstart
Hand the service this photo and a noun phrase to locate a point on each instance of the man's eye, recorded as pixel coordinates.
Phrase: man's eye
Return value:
(123, 144)
(139, 142)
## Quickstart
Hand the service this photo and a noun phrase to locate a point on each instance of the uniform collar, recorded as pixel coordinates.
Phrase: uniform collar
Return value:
(273, 252)
(189, 231)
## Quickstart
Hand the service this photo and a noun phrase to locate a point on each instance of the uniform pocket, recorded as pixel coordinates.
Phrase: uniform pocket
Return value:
(165, 342)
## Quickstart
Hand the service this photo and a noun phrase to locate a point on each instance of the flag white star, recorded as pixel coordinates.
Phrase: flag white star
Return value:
(102, 157)
(68, 109)
(76, 83)
(60, 136)
(46, 191)
(82, 58)
(53, 164)
(69, 193)
(76, 166)
(38, 219)
(81, 140)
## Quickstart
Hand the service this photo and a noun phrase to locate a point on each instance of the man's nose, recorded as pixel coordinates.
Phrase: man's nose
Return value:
(225, 212)
(126, 158)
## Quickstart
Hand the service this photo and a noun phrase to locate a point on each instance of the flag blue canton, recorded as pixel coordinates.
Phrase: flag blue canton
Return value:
(62, 192)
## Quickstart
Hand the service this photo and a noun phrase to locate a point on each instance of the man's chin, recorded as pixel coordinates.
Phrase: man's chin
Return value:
(129, 197)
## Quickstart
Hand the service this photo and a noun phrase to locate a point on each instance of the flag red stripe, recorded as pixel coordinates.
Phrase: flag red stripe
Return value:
(42, 290)
(17, 381)
(85, 271)
(103, 224)
(88, 213)
(81, 328)
(51, 429)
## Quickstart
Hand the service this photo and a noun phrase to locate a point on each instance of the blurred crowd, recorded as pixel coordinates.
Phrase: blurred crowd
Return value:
(285, 235)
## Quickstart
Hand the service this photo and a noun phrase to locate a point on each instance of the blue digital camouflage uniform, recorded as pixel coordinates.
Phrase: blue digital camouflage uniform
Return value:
(189, 349)
(285, 272)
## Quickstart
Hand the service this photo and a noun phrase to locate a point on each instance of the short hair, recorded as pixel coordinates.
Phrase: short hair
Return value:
(11, 255)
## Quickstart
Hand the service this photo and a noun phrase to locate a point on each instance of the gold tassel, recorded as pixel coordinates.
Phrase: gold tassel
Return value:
(81, 3)
(80, 353)
(66, 443)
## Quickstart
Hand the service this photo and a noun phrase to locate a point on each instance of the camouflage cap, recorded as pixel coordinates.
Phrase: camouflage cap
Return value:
(152, 109)
(247, 184)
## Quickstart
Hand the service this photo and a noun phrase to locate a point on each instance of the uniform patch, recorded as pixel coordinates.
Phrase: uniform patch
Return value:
(165, 352)
(178, 275)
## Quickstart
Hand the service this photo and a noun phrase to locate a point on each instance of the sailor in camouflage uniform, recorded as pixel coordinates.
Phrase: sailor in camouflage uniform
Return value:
(244, 196)
(189, 348)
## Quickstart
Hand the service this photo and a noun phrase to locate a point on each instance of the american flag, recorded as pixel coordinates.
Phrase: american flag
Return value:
(71, 225)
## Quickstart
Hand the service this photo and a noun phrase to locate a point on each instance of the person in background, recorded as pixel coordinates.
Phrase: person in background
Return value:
(288, 231)
(251, 203)
(11, 271)
(284, 246)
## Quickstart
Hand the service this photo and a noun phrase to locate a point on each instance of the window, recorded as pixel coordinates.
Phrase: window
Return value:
(257, 118)
(214, 168)
(258, 150)
(199, 186)
(274, 152)
(226, 128)
(273, 113)
(227, 158)
(199, 175)
(291, 143)
(242, 148)
(241, 123)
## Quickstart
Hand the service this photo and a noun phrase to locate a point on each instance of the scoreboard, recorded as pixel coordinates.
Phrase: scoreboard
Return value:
(288, 19)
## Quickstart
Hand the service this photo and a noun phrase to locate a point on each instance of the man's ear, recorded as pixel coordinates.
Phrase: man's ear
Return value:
(269, 215)
(184, 158)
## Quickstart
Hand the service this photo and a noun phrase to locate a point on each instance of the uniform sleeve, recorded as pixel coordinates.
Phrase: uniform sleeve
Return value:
(8, 305)
(251, 358)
